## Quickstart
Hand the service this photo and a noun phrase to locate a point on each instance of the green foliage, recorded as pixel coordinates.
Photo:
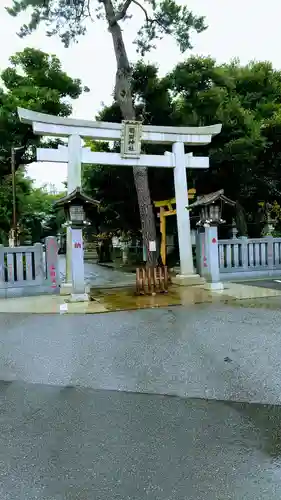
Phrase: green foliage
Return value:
(105, 185)
(68, 19)
(35, 80)
(5, 208)
(245, 99)
(244, 159)
(38, 218)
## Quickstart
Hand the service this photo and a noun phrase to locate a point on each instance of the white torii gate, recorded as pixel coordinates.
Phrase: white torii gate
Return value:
(131, 135)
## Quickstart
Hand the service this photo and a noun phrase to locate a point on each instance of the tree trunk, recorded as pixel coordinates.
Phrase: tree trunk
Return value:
(241, 221)
(123, 96)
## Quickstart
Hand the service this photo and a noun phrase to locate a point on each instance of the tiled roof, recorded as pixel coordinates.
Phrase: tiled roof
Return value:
(207, 199)
(76, 194)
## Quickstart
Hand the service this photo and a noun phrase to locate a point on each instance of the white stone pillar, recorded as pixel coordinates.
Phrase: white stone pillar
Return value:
(74, 180)
(183, 222)
(74, 163)
(77, 267)
(212, 255)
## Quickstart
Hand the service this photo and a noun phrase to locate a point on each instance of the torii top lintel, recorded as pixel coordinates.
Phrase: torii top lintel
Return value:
(50, 125)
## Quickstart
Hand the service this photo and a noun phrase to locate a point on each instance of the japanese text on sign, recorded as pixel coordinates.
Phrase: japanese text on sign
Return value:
(53, 276)
(131, 139)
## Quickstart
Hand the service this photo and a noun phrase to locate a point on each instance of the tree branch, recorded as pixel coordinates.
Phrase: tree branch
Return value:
(89, 10)
(144, 10)
(122, 13)
(148, 19)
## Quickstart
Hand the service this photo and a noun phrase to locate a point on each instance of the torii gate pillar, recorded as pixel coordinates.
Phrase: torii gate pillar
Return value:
(74, 180)
(183, 222)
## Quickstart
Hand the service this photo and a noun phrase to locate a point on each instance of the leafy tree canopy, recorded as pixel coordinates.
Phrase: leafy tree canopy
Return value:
(68, 18)
(34, 80)
(244, 158)
(38, 217)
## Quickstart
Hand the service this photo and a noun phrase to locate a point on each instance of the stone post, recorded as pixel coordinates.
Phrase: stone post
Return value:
(74, 180)
(200, 251)
(125, 252)
(212, 274)
(270, 252)
(234, 232)
(244, 252)
(40, 274)
(3, 284)
(78, 276)
(52, 263)
(183, 222)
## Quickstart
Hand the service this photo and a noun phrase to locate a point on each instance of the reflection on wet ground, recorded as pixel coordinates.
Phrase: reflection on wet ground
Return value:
(85, 412)
(108, 298)
(65, 443)
(238, 295)
(126, 299)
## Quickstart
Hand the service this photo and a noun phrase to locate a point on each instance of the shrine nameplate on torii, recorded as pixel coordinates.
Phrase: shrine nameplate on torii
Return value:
(131, 135)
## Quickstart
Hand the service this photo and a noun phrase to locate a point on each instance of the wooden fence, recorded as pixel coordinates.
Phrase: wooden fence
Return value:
(151, 280)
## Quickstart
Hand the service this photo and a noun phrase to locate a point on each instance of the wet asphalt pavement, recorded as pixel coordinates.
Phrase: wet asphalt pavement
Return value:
(84, 410)
(66, 443)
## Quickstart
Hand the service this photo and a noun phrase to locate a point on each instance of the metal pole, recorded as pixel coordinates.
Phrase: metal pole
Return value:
(13, 161)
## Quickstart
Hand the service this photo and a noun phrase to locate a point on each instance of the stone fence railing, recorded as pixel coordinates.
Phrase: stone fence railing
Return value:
(243, 256)
(29, 270)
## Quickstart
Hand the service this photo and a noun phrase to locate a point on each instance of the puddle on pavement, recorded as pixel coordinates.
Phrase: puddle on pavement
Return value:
(126, 299)
(120, 299)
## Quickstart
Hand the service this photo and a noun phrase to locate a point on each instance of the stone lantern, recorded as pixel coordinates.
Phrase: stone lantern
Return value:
(76, 206)
(210, 212)
(210, 208)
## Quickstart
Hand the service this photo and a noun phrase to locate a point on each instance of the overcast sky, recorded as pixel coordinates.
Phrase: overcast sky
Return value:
(246, 29)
